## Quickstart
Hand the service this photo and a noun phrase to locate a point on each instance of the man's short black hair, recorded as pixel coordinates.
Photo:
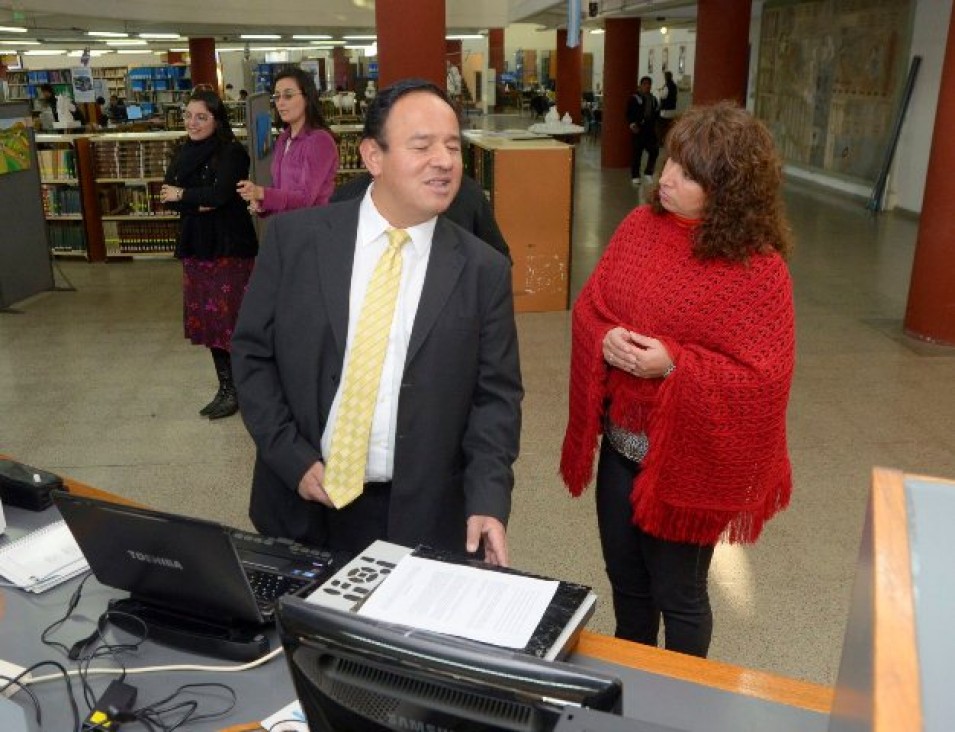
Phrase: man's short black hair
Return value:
(645, 79)
(377, 113)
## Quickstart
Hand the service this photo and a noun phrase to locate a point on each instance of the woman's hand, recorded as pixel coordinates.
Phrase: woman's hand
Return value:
(170, 194)
(250, 192)
(636, 354)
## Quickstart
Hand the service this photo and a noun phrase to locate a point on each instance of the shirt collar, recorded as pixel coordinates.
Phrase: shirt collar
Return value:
(372, 225)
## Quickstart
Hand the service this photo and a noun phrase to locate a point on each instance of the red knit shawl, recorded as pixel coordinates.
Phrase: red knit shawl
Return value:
(718, 465)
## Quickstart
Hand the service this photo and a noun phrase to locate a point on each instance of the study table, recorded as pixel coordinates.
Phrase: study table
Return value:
(660, 687)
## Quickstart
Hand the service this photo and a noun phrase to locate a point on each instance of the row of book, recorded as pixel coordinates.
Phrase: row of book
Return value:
(133, 158)
(57, 164)
(58, 200)
(126, 200)
(479, 164)
(145, 237)
(62, 76)
(66, 236)
(348, 153)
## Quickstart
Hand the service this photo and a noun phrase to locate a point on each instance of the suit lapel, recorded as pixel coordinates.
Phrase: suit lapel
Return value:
(444, 269)
(335, 252)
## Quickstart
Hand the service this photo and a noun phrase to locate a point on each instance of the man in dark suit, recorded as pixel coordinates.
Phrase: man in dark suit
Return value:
(469, 209)
(446, 423)
(642, 111)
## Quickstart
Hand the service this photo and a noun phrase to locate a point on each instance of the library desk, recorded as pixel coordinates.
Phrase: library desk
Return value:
(660, 687)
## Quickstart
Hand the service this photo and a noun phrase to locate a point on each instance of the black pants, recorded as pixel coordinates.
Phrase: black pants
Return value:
(644, 140)
(650, 576)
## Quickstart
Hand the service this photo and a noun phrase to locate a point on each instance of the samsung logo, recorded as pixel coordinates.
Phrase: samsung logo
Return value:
(150, 559)
(396, 721)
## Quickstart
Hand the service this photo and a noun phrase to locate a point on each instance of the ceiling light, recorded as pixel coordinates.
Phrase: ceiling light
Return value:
(45, 52)
(307, 37)
(107, 34)
(162, 36)
(259, 37)
(597, 31)
(186, 50)
(360, 38)
(230, 49)
(327, 43)
(8, 52)
(465, 37)
(127, 42)
(22, 42)
(12, 29)
(663, 29)
(98, 52)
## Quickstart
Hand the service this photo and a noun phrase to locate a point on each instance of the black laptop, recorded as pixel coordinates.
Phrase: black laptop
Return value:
(199, 569)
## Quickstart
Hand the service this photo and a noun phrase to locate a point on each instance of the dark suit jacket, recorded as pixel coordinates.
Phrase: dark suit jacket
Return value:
(459, 408)
(470, 209)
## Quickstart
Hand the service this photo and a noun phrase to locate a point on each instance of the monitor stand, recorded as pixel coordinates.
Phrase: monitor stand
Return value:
(233, 642)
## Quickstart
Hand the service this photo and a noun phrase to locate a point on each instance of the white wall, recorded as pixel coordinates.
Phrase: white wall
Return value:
(929, 37)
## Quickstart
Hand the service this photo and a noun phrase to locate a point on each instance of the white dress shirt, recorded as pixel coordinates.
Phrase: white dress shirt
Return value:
(370, 244)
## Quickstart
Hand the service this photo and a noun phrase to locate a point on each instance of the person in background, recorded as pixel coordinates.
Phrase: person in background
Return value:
(668, 95)
(116, 111)
(470, 208)
(229, 95)
(217, 241)
(683, 349)
(642, 110)
(431, 459)
(306, 156)
(243, 95)
(101, 116)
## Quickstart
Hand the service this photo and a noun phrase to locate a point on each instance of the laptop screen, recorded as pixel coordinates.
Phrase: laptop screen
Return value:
(174, 561)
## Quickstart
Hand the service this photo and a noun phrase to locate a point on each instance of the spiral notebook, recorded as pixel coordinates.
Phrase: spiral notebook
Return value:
(43, 558)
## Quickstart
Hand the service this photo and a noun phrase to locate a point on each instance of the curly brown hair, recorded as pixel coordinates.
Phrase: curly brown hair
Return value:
(732, 156)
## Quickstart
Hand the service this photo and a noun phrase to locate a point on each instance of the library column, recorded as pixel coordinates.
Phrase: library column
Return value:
(495, 52)
(722, 51)
(931, 303)
(568, 76)
(202, 62)
(410, 43)
(621, 68)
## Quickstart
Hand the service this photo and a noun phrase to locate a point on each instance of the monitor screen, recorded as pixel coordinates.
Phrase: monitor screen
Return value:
(352, 673)
(134, 111)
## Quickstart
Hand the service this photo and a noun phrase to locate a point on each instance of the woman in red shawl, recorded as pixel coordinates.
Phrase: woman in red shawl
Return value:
(683, 350)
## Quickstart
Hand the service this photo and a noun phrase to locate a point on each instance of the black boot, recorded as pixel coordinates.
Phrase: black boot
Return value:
(226, 402)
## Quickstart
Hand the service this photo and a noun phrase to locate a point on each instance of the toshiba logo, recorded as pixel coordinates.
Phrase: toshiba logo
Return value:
(150, 559)
(397, 721)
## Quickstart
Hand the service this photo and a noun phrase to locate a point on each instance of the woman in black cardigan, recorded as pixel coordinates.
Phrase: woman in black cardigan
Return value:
(217, 241)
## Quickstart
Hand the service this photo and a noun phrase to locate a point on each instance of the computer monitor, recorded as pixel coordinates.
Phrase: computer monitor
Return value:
(134, 111)
(353, 673)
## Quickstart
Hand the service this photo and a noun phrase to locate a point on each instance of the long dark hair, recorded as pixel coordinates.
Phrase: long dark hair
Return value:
(217, 109)
(313, 105)
(731, 155)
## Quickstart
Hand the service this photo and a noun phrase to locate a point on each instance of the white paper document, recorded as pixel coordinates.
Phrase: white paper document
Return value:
(479, 604)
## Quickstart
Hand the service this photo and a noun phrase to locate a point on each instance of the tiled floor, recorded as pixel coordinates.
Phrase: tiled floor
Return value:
(99, 384)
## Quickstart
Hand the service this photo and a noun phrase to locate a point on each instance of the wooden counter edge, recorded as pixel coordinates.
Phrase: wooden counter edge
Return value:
(714, 674)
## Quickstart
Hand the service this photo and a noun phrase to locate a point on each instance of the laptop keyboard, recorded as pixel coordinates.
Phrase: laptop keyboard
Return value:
(277, 547)
(268, 587)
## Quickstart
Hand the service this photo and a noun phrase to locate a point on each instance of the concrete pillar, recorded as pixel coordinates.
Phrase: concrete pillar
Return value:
(621, 72)
(568, 77)
(410, 43)
(202, 62)
(930, 313)
(722, 51)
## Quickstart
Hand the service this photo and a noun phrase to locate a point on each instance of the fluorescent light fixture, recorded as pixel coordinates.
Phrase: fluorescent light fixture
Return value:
(162, 36)
(23, 42)
(95, 53)
(465, 37)
(12, 29)
(326, 44)
(260, 37)
(356, 47)
(360, 38)
(308, 37)
(230, 49)
(597, 32)
(107, 34)
(45, 52)
(8, 52)
(186, 50)
(128, 42)
(663, 29)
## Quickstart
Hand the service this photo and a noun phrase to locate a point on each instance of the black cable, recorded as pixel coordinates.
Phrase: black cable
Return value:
(55, 625)
(66, 679)
(104, 649)
(153, 713)
(22, 687)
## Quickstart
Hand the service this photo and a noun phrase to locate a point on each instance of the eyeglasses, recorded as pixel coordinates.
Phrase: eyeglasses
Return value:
(201, 117)
(286, 95)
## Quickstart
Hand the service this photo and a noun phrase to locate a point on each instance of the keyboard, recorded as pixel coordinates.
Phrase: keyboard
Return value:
(268, 587)
(245, 541)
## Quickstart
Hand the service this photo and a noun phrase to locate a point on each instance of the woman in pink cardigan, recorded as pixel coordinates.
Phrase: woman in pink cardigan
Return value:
(306, 156)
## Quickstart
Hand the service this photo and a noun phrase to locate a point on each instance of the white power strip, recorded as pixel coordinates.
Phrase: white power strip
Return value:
(11, 671)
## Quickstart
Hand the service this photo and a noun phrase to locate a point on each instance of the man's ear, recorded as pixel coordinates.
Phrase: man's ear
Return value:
(371, 153)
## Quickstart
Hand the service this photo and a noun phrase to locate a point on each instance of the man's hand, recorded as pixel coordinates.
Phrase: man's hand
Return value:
(312, 485)
(494, 535)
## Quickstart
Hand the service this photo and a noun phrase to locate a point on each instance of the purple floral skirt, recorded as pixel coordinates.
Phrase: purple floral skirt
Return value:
(212, 292)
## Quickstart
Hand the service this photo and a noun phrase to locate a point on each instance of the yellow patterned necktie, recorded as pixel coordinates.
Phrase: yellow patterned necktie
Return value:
(345, 467)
